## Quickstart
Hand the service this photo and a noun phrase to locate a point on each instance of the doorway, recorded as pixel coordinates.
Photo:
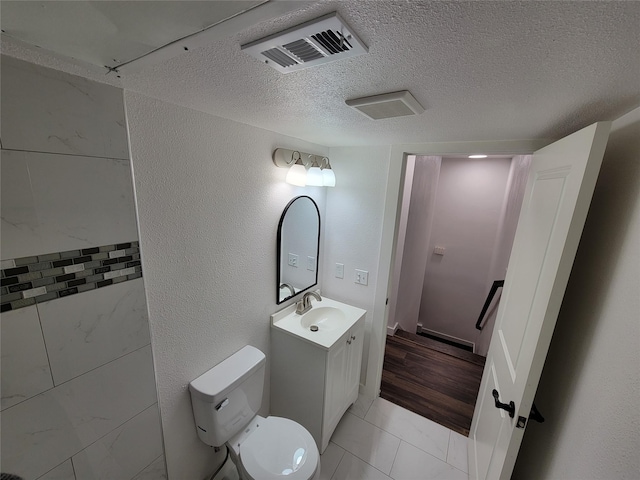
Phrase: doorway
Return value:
(456, 225)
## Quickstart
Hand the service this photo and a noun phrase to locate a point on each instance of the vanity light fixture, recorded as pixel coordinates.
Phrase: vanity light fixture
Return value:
(328, 177)
(305, 169)
(478, 156)
(314, 174)
(297, 174)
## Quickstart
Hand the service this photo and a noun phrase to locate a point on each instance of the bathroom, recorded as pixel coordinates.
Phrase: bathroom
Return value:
(199, 228)
(203, 198)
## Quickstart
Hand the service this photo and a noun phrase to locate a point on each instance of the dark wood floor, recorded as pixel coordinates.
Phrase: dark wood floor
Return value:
(438, 381)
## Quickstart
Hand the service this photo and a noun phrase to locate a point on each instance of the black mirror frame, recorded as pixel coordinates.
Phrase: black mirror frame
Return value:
(279, 249)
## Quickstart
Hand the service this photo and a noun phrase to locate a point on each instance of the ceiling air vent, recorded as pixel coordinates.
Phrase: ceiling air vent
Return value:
(387, 105)
(319, 41)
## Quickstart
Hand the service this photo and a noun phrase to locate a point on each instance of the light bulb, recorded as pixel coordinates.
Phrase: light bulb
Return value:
(314, 177)
(328, 177)
(297, 175)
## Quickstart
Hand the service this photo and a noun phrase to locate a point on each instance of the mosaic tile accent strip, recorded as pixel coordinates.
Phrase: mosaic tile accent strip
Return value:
(30, 280)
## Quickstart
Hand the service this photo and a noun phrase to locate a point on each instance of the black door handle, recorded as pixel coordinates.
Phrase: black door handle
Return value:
(510, 407)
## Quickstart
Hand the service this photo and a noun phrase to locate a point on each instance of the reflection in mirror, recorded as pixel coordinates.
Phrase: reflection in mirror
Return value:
(298, 248)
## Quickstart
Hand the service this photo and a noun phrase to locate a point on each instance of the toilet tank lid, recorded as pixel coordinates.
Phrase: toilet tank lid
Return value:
(227, 374)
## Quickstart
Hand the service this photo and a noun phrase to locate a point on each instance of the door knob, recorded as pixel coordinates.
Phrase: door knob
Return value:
(509, 407)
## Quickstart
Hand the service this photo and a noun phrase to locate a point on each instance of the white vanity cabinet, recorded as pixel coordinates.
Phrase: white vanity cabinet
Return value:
(315, 384)
(342, 378)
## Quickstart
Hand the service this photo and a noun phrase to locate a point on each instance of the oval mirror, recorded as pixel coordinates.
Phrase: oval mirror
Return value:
(298, 248)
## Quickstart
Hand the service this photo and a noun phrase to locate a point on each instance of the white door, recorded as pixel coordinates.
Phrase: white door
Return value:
(556, 201)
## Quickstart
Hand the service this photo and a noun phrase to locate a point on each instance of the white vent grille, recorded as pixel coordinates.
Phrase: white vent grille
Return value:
(387, 105)
(319, 41)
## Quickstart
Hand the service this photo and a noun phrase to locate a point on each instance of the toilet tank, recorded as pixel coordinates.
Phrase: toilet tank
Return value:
(228, 396)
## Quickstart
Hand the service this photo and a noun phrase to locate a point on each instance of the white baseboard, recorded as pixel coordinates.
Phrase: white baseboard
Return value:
(461, 341)
(392, 330)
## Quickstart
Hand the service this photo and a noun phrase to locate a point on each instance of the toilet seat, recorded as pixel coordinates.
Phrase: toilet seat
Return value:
(279, 448)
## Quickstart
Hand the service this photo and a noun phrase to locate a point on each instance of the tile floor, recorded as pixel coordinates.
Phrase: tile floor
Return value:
(377, 440)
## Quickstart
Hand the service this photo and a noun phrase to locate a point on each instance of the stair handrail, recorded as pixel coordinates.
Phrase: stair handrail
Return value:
(494, 288)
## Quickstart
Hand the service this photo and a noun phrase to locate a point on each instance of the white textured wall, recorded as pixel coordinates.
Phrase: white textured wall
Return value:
(209, 201)
(590, 385)
(468, 205)
(422, 208)
(407, 185)
(353, 230)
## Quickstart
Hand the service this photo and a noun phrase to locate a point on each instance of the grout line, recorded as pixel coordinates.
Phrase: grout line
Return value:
(63, 154)
(409, 443)
(52, 469)
(467, 445)
(352, 453)
(106, 363)
(362, 459)
(369, 407)
(73, 467)
(446, 457)
(395, 457)
(374, 425)
(46, 350)
(338, 462)
(109, 433)
(78, 376)
(147, 466)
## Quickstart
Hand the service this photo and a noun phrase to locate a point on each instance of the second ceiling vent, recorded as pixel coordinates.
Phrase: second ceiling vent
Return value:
(318, 41)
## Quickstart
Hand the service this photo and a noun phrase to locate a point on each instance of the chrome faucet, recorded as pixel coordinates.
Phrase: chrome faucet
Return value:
(291, 289)
(304, 305)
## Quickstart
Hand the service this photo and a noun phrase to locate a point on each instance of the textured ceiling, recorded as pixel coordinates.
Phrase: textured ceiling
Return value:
(483, 71)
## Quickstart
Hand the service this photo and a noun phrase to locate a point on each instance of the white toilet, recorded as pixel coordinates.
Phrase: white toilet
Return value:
(225, 402)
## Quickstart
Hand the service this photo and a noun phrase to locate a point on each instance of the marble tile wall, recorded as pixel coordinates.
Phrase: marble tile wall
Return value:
(44, 110)
(41, 278)
(78, 391)
(54, 203)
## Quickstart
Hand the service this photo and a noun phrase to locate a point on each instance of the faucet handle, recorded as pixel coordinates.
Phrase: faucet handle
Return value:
(304, 305)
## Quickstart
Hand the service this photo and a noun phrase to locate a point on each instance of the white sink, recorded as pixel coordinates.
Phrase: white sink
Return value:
(332, 319)
(325, 318)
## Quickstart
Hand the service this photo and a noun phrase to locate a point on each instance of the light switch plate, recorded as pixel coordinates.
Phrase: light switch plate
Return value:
(339, 270)
(311, 263)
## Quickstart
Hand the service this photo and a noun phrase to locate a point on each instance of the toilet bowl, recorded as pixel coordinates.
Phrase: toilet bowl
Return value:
(225, 403)
(274, 447)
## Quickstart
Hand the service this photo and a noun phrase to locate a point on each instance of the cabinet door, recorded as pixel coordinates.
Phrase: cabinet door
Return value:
(354, 361)
(336, 377)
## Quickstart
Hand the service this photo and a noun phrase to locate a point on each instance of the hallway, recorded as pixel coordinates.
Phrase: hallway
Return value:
(435, 380)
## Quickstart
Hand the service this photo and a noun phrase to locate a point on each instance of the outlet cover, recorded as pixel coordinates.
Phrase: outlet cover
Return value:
(362, 277)
(293, 260)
